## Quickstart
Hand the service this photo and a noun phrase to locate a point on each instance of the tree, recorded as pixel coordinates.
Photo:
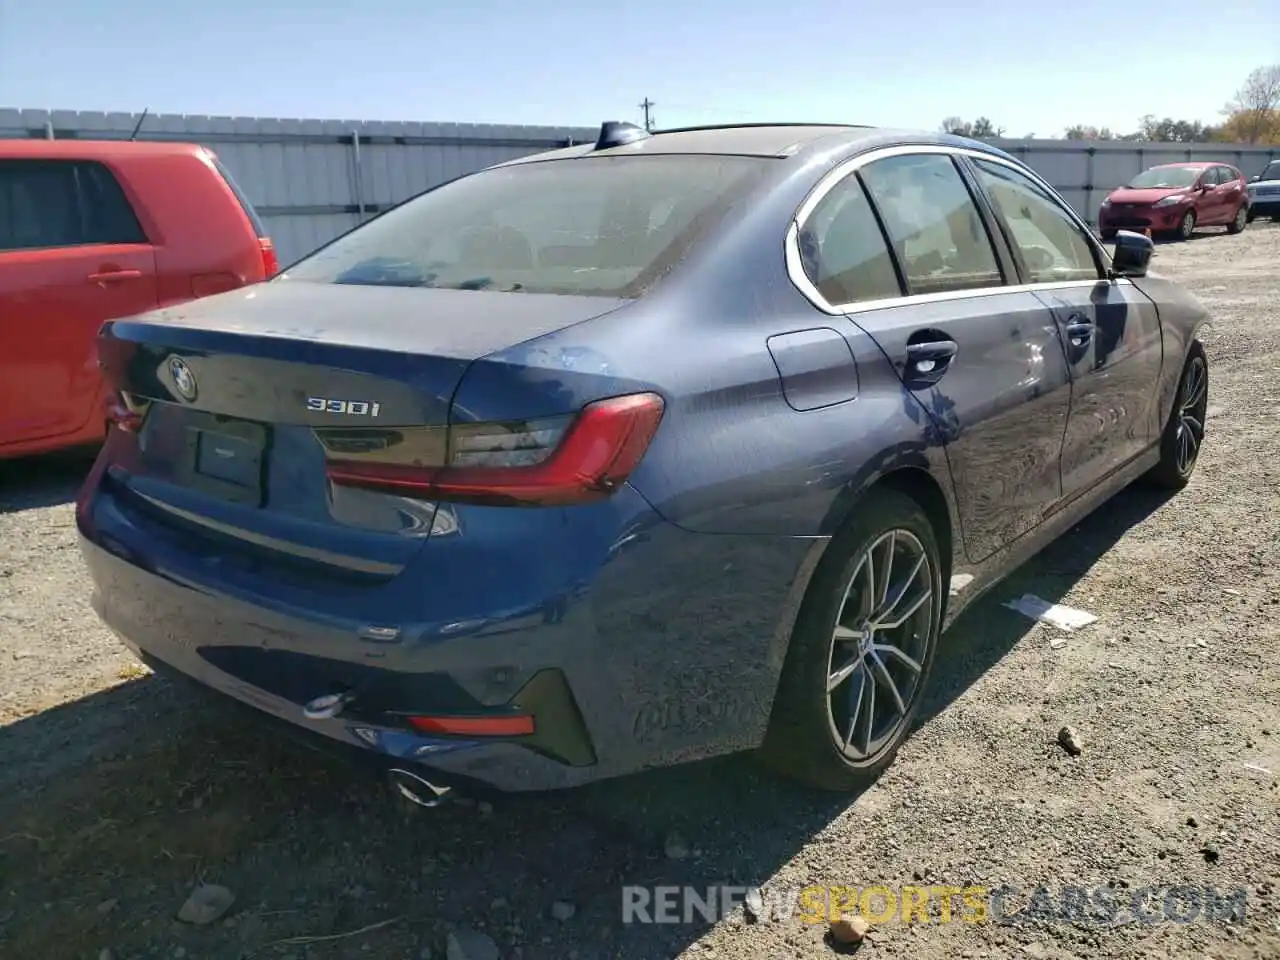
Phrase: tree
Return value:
(980, 129)
(1253, 114)
(1082, 132)
(1170, 130)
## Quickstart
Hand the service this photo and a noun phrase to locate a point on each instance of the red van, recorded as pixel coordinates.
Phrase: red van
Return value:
(92, 231)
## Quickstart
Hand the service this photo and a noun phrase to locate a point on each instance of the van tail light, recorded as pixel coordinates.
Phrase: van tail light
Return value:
(552, 462)
(270, 262)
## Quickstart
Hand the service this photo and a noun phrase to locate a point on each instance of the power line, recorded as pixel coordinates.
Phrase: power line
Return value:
(647, 106)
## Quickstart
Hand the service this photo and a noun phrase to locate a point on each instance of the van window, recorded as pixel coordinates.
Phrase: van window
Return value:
(933, 223)
(62, 203)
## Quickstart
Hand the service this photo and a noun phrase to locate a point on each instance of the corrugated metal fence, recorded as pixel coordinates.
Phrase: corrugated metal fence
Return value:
(313, 179)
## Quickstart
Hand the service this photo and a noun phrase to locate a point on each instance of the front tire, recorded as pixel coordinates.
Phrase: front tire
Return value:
(1186, 226)
(1184, 432)
(861, 650)
(1240, 221)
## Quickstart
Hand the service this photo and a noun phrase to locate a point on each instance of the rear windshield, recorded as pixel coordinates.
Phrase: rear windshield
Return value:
(1167, 177)
(592, 226)
(249, 212)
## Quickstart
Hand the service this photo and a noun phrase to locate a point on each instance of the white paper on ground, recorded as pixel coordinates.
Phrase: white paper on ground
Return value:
(1054, 614)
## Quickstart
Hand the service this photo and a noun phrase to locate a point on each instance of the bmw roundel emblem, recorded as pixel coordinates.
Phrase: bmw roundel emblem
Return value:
(183, 379)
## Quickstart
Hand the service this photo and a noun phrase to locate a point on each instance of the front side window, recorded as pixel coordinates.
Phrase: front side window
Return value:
(592, 226)
(62, 203)
(1165, 177)
(933, 223)
(1051, 244)
(843, 251)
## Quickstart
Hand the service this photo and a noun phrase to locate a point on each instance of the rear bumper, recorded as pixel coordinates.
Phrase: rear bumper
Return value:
(662, 658)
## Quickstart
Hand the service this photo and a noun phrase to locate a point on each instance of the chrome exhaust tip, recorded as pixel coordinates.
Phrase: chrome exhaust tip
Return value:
(417, 790)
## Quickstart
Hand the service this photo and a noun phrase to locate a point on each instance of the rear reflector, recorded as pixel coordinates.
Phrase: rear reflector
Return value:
(270, 262)
(521, 725)
(553, 462)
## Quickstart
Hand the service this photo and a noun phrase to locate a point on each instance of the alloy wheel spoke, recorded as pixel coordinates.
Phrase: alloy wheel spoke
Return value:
(886, 680)
(1194, 390)
(1196, 426)
(871, 717)
(906, 611)
(898, 654)
(880, 595)
(896, 596)
(856, 710)
(844, 673)
(846, 634)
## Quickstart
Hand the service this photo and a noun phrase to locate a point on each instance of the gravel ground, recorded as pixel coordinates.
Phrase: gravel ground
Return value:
(120, 793)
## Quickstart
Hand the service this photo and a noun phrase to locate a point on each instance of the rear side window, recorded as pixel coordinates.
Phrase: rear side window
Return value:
(1051, 244)
(933, 223)
(63, 203)
(245, 205)
(592, 226)
(843, 250)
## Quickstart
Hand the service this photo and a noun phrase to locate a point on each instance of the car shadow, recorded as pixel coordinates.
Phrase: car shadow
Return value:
(129, 795)
(30, 483)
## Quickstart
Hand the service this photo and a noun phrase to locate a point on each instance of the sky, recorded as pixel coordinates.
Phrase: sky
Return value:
(1033, 68)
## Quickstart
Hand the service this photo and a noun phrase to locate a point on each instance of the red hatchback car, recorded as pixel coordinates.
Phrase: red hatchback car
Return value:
(1175, 199)
(92, 231)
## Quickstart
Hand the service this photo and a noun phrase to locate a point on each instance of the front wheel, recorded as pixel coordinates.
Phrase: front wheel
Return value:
(861, 650)
(1240, 221)
(1187, 225)
(1184, 433)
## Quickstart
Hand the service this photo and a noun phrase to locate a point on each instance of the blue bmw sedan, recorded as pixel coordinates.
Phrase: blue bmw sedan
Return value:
(634, 452)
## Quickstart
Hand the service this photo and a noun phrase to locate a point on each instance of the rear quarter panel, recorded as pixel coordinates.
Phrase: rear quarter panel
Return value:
(195, 223)
(732, 456)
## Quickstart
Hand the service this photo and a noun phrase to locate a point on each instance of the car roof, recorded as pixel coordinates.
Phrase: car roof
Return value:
(777, 140)
(1192, 163)
(75, 149)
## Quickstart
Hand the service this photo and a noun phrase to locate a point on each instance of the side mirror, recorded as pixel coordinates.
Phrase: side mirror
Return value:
(1255, 179)
(1132, 254)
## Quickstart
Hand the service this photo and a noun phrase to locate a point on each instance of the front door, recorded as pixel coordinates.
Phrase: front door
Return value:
(69, 260)
(1109, 330)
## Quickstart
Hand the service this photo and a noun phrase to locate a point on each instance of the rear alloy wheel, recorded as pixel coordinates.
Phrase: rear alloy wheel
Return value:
(1184, 433)
(1240, 221)
(1187, 225)
(861, 650)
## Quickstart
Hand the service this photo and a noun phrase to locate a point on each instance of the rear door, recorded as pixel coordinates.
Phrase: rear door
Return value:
(979, 359)
(1233, 190)
(72, 255)
(1110, 330)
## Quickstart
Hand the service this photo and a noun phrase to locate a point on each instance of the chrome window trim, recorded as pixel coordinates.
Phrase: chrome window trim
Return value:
(833, 178)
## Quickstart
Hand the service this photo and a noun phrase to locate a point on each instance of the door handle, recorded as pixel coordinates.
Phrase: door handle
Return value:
(106, 276)
(1079, 330)
(929, 360)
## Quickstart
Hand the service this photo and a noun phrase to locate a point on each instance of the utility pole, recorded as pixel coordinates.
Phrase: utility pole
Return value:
(648, 117)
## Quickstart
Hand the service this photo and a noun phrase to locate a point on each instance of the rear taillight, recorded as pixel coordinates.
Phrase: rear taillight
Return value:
(551, 462)
(270, 262)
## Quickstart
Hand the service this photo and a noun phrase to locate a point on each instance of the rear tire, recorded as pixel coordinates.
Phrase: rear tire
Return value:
(1239, 221)
(871, 616)
(1184, 432)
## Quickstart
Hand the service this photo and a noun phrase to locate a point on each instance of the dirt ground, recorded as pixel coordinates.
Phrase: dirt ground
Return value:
(120, 793)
